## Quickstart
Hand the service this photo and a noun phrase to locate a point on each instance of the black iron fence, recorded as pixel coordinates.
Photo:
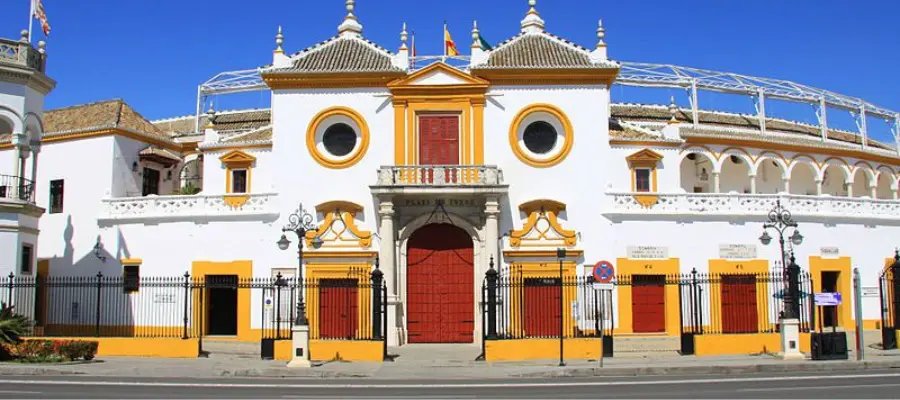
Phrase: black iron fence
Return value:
(889, 290)
(17, 188)
(519, 306)
(351, 307)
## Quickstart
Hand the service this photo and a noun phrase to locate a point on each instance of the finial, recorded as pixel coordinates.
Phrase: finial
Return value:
(42, 47)
(403, 37)
(24, 35)
(211, 115)
(350, 25)
(601, 33)
(532, 21)
(279, 40)
(475, 35)
(673, 110)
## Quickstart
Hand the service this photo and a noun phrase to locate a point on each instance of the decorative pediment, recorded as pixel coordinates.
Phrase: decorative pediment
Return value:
(436, 80)
(542, 228)
(645, 157)
(237, 157)
(338, 229)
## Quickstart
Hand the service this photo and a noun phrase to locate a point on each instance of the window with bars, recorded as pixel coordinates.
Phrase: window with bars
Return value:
(27, 261)
(131, 276)
(56, 196)
(642, 180)
(239, 181)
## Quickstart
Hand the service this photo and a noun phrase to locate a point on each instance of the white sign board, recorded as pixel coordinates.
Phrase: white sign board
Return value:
(737, 251)
(828, 299)
(871, 291)
(831, 252)
(603, 286)
(648, 252)
(163, 298)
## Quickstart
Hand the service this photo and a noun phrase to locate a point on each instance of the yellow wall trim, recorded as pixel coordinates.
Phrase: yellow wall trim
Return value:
(236, 160)
(843, 266)
(567, 132)
(346, 350)
(548, 76)
(139, 347)
(743, 344)
(648, 159)
(543, 349)
(629, 267)
(278, 81)
(345, 234)
(244, 271)
(131, 261)
(532, 235)
(642, 143)
(550, 254)
(852, 153)
(237, 201)
(352, 158)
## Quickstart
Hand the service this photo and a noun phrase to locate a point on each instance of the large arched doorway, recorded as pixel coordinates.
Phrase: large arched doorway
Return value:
(440, 280)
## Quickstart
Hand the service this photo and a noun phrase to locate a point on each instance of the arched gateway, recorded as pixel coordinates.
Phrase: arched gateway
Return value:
(440, 285)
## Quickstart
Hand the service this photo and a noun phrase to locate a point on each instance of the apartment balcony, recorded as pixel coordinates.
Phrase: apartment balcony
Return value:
(19, 53)
(16, 189)
(194, 208)
(823, 208)
(439, 179)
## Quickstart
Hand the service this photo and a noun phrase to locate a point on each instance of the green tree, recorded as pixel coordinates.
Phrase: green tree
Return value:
(12, 325)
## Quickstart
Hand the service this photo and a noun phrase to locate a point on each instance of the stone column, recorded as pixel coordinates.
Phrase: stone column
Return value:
(849, 186)
(16, 170)
(873, 190)
(35, 149)
(894, 193)
(386, 253)
(492, 230)
(752, 184)
(818, 187)
(787, 185)
(715, 182)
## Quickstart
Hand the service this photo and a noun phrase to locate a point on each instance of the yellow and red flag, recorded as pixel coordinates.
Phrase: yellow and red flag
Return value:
(40, 15)
(449, 45)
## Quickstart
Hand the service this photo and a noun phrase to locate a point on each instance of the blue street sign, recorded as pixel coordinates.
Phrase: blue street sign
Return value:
(604, 272)
(828, 299)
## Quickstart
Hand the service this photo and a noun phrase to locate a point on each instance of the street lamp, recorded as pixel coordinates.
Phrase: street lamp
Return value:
(299, 222)
(780, 220)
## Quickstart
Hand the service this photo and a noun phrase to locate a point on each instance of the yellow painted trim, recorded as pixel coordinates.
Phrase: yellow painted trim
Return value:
(237, 160)
(758, 144)
(554, 206)
(720, 267)
(628, 267)
(518, 238)
(284, 350)
(549, 254)
(310, 256)
(543, 349)
(237, 157)
(139, 347)
(236, 201)
(521, 271)
(346, 350)
(400, 128)
(278, 81)
(548, 76)
(842, 265)
(243, 270)
(348, 206)
(333, 214)
(106, 132)
(642, 143)
(537, 162)
(316, 271)
(462, 108)
(645, 159)
(131, 261)
(478, 134)
(743, 344)
(356, 156)
(409, 81)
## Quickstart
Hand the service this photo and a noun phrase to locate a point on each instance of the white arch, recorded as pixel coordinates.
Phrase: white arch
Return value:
(34, 127)
(18, 126)
(848, 174)
(732, 152)
(817, 172)
(766, 156)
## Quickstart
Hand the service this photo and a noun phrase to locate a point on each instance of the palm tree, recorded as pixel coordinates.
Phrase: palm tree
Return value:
(12, 325)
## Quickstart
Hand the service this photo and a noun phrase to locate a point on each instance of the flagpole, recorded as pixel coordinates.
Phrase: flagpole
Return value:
(30, 20)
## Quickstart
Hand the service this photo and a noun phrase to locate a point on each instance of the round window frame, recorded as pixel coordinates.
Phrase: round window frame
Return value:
(556, 118)
(316, 131)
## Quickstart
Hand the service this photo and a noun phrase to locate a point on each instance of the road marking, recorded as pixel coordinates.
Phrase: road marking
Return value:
(18, 392)
(503, 384)
(827, 387)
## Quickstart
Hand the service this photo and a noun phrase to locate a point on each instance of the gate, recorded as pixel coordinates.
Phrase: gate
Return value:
(889, 291)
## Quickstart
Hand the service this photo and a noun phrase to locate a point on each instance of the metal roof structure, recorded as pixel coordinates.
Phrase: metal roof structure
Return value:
(693, 80)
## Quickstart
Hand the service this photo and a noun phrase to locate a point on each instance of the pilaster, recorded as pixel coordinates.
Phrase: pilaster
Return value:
(388, 244)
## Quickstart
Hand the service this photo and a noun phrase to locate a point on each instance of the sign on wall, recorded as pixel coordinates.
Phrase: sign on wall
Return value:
(828, 299)
(871, 291)
(648, 252)
(737, 251)
(831, 252)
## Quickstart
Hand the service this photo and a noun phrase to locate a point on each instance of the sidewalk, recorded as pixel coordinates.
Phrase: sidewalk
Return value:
(412, 368)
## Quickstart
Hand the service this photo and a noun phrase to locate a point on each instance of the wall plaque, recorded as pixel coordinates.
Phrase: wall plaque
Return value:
(737, 251)
(648, 252)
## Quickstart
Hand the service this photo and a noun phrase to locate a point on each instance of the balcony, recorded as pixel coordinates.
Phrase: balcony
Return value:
(20, 54)
(755, 206)
(423, 179)
(16, 189)
(200, 207)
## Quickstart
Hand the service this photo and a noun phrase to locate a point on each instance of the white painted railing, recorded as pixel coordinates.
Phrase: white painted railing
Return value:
(439, 175)
(185, 207)
(735, 204)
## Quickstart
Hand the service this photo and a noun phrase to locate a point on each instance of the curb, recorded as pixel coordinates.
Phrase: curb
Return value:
(817, 366)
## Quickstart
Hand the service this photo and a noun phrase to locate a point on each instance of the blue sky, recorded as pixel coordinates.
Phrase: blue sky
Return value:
(155, 53)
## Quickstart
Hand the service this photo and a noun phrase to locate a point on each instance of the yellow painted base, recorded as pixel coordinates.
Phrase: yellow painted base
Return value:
(283, 349)
(543, 349)
(345, 350)
(140, 347)
(743, 344)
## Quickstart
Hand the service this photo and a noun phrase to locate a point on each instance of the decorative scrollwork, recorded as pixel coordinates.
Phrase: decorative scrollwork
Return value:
(300, 220)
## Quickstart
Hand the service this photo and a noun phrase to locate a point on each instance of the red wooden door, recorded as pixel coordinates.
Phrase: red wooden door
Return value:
(648, 303)
(542, 312)
(439, 145)
(338, 309)
(739, 312)
(440, 285)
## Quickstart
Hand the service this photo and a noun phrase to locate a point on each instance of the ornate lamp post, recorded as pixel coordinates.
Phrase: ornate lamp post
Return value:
(780, 220)
(299, 222)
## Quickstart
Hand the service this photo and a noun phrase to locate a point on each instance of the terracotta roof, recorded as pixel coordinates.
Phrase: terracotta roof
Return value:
(157, 153)
(109, 114)
(617, 130)
(540, 50)
(226, 121)
(341, 54)
(258, 135)
(658, 113)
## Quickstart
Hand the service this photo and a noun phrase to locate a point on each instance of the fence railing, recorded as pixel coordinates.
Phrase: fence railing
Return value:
(351, 308)
(20, 53)
(16, 188)
(889, 291)
(519, 306)
(439, 175)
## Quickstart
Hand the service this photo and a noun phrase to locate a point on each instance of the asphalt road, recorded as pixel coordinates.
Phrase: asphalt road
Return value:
(868, 384)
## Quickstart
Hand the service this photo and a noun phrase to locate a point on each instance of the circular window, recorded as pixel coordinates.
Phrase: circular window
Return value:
(541, 135)
(339, 139)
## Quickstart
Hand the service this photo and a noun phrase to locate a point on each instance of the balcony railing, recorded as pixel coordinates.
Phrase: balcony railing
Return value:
(20, 54)
(439, 175)
(200, 206)
(754, 205)
(16, 188)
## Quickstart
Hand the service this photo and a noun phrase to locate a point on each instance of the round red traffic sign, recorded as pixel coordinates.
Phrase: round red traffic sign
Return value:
(604, 272)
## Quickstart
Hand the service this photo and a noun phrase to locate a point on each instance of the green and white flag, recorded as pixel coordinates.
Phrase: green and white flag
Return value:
(484, 43)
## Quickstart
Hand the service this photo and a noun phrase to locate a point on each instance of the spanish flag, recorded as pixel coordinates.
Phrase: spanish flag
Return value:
(449, 45)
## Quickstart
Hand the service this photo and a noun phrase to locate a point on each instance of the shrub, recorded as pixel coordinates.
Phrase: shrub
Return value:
(12, 325)
(39, 350)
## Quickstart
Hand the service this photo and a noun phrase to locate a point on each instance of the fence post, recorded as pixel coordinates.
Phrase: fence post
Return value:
(9, 302)
(99, 297)
(857, 303)
(492, 276)
(696, 324)
(377, 280)
(187, 290)
(278, 284)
